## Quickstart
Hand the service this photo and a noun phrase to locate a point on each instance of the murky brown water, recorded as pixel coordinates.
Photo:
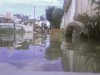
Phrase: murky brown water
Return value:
(42, 52)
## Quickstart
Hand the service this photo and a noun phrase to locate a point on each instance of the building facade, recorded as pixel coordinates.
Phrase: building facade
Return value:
(72, 8)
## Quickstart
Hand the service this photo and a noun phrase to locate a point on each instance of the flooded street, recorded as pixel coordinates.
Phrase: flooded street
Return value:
(42, 52)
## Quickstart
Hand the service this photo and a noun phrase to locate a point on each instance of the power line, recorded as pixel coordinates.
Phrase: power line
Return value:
(47, 6)
(50, 2)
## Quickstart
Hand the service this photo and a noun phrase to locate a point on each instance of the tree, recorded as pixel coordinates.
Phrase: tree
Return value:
(42, 18)
(57, 15)
(49, 11)
(54, 15)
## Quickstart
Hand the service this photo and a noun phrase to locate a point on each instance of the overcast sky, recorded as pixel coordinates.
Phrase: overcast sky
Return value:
(26, 7)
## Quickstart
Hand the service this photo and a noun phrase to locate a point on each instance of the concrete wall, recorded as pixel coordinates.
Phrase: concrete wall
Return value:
(84, 6)
(62, 23)
(26, 28)
(68, 15)
(76, 7)
(7, 25)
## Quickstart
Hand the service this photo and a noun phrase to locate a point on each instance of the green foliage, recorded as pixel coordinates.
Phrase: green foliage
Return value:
(42, 18)
(92, 25)
(96, 2)
(49, 11)
(54, 16)
(93, 22)
(11, 30)
(57, 14)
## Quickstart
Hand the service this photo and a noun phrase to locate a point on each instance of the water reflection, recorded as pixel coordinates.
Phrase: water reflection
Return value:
(41, 52)
(28, 54)
(81, 56)
(24, 45)
(54, 51)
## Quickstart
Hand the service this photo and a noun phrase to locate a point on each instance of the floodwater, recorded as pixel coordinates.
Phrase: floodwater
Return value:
(42, 52)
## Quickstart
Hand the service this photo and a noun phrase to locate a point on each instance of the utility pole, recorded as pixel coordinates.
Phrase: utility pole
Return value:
(34, 12)
(34, 19)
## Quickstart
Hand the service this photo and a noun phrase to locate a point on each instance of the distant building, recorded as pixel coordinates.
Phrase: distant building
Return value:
(6, 18)
(8, 15)
(21, 20)
(2, 15)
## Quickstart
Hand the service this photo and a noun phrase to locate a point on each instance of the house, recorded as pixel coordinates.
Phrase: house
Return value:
(37, 27)
(6, 18)
(33, 23)
(72, 8)
(29, 25)
(6, 21)
(2, 16)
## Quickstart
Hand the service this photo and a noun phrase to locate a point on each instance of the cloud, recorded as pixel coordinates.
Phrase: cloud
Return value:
(35, 2)
(1, 4)
(9, 9)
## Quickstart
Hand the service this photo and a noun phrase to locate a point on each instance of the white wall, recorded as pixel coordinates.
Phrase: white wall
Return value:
(37, 22)
(7, 25)
(69, 15)
(62, 23)
(26, 28)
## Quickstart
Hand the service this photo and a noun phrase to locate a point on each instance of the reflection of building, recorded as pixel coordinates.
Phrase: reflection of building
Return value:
(9, 48)
(73, 59)
(39, 39)
(72, 62)
(6, 43)
(15, 39)
(20, 39)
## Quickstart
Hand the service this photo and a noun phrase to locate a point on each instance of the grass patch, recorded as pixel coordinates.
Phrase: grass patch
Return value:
(11, 30)
(60, 34)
